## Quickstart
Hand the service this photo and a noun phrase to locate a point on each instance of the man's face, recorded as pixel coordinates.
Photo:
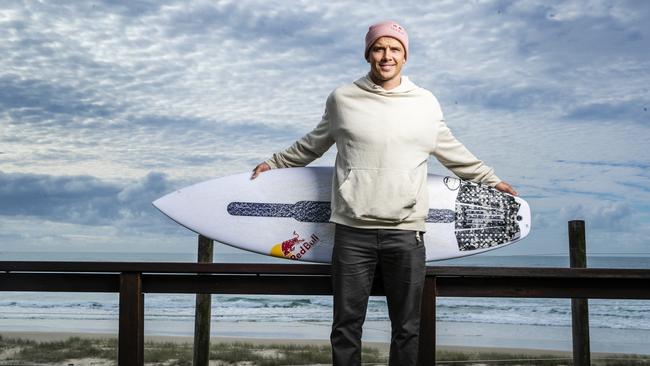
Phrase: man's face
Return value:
(386, 59)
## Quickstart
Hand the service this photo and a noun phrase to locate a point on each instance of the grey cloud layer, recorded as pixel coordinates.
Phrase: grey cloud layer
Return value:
(539, 58)
(39, 101)
(81, 200)
(629, 111)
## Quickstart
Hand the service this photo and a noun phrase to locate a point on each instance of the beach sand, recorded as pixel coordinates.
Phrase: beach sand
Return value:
(464, 334)
(451, 336)
(61, 336)
(382, 347)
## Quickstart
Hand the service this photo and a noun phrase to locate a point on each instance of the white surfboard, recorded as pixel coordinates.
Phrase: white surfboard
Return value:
(284, 213)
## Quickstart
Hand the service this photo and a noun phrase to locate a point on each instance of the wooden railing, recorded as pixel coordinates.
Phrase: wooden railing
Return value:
(132, 280)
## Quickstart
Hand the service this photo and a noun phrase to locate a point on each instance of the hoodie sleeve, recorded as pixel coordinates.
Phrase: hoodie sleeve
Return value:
(308, 148)
(457, 158)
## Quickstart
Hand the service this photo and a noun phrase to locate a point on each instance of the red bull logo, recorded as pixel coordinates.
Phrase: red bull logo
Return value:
(294, 247)
(288, 245)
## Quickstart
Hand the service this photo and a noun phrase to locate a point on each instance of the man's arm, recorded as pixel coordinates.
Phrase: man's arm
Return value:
(302, 152)
(457, 158)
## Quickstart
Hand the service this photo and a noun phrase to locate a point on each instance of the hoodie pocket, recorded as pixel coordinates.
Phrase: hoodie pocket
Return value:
(379, 195)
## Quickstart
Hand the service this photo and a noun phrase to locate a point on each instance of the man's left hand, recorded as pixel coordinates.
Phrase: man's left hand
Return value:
(506, 188)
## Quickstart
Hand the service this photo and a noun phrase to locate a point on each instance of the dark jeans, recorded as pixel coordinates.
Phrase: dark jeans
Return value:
(401, 258)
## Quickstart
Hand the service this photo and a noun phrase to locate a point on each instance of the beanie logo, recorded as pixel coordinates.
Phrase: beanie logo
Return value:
(397, 28)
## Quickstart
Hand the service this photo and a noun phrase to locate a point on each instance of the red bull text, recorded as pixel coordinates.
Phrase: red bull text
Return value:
(297, 247)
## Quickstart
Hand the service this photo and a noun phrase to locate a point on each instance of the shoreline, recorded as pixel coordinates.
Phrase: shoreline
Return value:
(448, 334)
(443, 345)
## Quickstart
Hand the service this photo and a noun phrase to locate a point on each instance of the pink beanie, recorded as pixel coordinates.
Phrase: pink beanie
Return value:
(387, 28)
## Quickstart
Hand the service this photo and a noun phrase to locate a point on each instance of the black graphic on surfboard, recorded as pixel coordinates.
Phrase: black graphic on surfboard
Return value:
(311, 211)
(483, 217)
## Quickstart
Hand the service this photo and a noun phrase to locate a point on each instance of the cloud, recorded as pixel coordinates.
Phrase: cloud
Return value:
(244, 21)
(636, 111)
(99, 95)
(138, 196)
(72, 199)
(510, 97)
(41, 102)
(541, 221)
(627, 178)
(582, 30)
(81, 200)
(600, 216)
(625, 164)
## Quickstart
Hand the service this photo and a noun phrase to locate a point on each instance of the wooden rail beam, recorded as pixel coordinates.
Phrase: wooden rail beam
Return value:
(620, 286)
(60, 282)
(535, 287)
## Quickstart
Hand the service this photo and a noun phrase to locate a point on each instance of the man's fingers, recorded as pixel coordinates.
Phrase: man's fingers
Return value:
(262, 167)
(511, 190)
(507, 188)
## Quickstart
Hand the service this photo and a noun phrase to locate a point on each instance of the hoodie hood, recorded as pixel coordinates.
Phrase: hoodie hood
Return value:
(405, 86)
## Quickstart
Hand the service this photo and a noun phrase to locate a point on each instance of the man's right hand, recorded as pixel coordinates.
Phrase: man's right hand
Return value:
(261, 167)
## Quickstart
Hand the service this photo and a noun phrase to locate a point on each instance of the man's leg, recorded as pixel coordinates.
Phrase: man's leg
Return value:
(353, 266)
(402, 261)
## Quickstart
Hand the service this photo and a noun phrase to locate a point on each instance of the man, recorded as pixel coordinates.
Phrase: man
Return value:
(384, 127)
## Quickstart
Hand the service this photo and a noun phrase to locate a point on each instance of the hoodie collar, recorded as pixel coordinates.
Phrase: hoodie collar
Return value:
(405, 86)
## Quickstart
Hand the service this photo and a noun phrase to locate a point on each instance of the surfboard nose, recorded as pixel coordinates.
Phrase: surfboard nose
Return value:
(523, 217)
(162, 203)
(171, 205)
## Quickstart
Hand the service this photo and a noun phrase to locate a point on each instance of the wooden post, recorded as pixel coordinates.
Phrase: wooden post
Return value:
(579, 307)
(130, 344)
(203, 310)
(427, 345)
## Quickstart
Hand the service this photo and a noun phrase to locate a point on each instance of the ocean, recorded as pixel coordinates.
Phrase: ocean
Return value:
(86, 312)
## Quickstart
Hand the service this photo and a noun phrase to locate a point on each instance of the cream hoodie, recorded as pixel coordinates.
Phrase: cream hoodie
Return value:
(384, 138)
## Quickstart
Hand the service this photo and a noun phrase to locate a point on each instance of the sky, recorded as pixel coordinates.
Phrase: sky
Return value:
(107, 105)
